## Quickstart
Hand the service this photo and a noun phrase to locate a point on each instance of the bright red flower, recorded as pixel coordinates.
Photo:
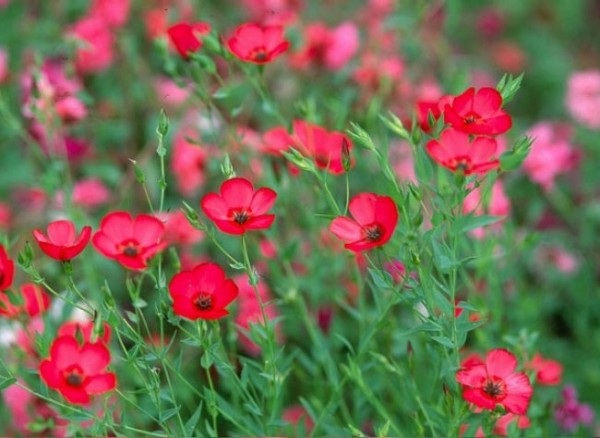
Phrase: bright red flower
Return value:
(186, 37)
(83, 330)
(131, 242)
(77, 371)
(496, 382)
(62, 243)
(478, 112)
(456, 151)
(548, 371)
(202, 293)
(238, 208)
(7, 270)
(257, 44)
(375, 219)
(324, 147)
(34, 301)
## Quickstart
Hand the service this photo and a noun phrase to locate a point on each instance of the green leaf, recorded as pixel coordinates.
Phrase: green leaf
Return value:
(471, 222)
(508, 87)
(7, 382)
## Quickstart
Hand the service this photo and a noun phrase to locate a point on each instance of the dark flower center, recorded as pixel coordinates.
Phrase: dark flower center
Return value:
(259, 54)
(130, 248)
(374, 232)
(495, 388)
(204, 301)
(240, 216)
(471, 118)
(74, 376)
(461, 163)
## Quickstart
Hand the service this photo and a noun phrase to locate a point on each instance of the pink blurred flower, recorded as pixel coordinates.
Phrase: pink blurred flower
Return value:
(490, 22)
(499, 205)
(189, 160)
(249, 311)
(570, 413)
(96, 52)
(583, 97)
(5, 216)
(327, 47)
(90, 193)
(178, 229)
(294, 415)
(551, 153)
(402, 161)
(3, 65)
(271, 12)
(113, 12)
(169, 93)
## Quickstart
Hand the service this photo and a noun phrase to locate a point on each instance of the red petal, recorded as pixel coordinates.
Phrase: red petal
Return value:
(482, 149)
(237, 192)
(39, 236)
(208, 277)
(230, 227)
(261, 222)
(487, 101)
(262, 201)
(478, 398)
(94, 358)
(50, 374)
(147, 230)
(214, 207)
(464, 102)
(500, 363)
(473, 376)
(101, 383)
(362, 208)
(64, 352)
(75, 395)
(346, 229)
(104, 244)
(226, 294)
(182, 285)
(61, 233)
(118, 226)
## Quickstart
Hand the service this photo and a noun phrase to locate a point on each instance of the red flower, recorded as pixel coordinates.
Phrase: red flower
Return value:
(34, 301)
(77, 371)
(62, 243)
(130, 242)
(455, 151)
(186, 37)
(7, 270)
(83, 330)
(257, 44)
(326, 148)
(239, 208)
(548, 371)
(495, 382)
(375, 219)
(202, 293)
(478, 112)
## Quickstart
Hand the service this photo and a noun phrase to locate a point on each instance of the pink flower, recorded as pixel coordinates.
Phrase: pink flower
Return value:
(188, 162)
(496, 382)
(90, 193)
(97, 40)
(178, 230)
(169, 93)
(551, 153)
(113, 12)
(548, 371)
(570, 413)
(583, 97)
(499, 205)
(3, 65)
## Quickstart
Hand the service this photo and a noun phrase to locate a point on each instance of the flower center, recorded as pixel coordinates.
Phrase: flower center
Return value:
(241, 216)
(204, 301)
(74, 375)
(374, 232)
(471, 118)
(461, 163)
(259, 54)
(129, 248)
(495, 388)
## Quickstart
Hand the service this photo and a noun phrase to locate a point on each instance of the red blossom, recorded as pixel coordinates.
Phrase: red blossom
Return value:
(34, 301)
(326, 148)
(202, 293)
(478, 112)
(547, 371)
(457, 152)
(257, 44)
(238, 208)
(77, 371)
(131, 242)
(496, 382)
(61, 242)
(186, 37)
(7, 270)
(375, 219)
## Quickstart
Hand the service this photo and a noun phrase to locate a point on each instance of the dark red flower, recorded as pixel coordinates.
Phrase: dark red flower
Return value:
(547, 371)
(457, 152)
(129, 241)
(326, 148)
(257, 44)
(375, 219)
(33, 302)
(77, 371)
(202, 293)
(238, 208)
(478, 112)
(7, 270)
(84, 330)
(186, 37)
(496, 382)
(62, 242)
